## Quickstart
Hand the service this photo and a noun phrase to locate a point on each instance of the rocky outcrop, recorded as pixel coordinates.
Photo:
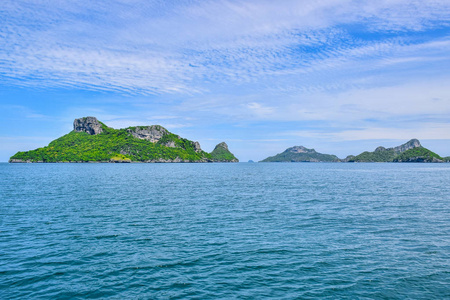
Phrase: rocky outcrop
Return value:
(16, 161)
(197, 147)
(88, 124)
(300, 149)
(151, 133)
(411, 144)
(170, 144)
(155, 133)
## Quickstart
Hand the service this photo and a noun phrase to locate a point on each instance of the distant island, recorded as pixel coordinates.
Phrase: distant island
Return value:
(301, 154)
(412, 151)
(93, 141)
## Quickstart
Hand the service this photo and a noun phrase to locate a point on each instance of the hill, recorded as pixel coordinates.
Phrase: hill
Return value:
(382, 154)
(411, 151)
(419, 154)
(222, 154)
(93, 141)
(301, 154)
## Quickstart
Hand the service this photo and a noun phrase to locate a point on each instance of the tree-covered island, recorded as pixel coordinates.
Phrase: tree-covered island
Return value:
(93, 141)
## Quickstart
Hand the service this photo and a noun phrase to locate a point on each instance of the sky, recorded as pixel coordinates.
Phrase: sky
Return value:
(338, 76)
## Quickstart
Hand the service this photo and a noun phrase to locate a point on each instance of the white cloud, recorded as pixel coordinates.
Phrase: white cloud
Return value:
(422, 131)
(340, 69)
(259, 110)
(154, 48)
(425, 132)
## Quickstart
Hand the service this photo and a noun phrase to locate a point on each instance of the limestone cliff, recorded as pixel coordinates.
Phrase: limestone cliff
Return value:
(151, 133)
(88, 124)
(411, 144)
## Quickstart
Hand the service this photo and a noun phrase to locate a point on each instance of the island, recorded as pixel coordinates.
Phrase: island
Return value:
(301, 154)
(93, 141)
(411, 151)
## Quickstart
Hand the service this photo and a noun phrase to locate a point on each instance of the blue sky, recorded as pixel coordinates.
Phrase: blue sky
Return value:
(338, 76)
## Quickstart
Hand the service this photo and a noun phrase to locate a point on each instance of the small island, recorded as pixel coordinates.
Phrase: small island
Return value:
(93, 141)
(411, 151)
(301, 154)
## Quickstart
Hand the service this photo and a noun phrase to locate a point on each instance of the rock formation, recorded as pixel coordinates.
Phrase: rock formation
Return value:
(87, 124)
(151, 133)
(411, 144)
(300, 149)
(197, 147)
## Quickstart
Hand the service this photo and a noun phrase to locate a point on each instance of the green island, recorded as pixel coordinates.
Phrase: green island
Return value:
(222, 154)
(411, 151)
(301, 154)
(419, 154)
(93, 141)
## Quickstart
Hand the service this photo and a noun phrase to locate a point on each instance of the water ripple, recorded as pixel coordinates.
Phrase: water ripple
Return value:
(199, 231)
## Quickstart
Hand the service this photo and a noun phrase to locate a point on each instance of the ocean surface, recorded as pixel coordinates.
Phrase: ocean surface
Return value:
(228, 231)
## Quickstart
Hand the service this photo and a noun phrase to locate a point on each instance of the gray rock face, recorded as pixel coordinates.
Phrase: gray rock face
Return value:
(300, 149)
(150, 133)
(170, 144)
(414, 143)
(197, 147)
(87, 124)
(18, 161)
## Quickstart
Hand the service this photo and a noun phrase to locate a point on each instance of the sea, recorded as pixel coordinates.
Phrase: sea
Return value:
(225, 231)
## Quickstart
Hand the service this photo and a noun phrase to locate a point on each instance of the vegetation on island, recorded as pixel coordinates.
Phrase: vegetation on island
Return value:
(385, 155)
(419, 154)
(118, 145)
(301, 154)
(301, 157)
(221, 153)
(120, 158)
(411, 151)
(93, 141)
(111, 143)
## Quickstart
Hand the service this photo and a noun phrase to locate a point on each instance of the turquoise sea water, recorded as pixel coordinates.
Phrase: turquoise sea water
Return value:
(230, 231)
